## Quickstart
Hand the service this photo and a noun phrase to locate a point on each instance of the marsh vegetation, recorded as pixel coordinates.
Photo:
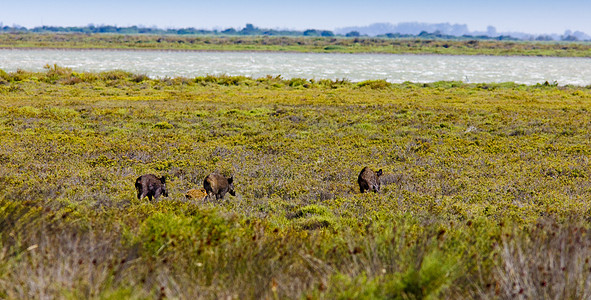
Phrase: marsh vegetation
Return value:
(484, 193)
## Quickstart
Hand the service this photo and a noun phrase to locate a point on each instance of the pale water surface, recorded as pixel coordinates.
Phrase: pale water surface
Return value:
(354, 67)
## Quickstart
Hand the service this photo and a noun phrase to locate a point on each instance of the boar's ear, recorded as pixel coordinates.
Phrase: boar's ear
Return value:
(379, 173)
(230, 180)
(163, 179)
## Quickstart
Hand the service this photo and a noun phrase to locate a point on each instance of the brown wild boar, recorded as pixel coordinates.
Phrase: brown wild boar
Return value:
(196, 194)
(151, 186)
(218, 185)
(369, 180)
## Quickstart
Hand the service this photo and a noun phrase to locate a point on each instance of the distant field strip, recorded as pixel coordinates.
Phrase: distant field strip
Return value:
(296, 44)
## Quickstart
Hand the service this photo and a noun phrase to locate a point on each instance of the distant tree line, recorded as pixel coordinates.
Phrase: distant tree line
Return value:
(439, 35)
(248, 30)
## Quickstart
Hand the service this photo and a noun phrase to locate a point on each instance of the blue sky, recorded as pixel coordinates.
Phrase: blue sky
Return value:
(527, 16)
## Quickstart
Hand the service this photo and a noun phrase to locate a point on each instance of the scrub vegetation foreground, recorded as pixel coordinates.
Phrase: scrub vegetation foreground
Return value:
(485, 190)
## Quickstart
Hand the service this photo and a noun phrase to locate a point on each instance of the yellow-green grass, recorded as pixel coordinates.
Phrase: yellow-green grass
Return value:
(295, 44)
(485, 192)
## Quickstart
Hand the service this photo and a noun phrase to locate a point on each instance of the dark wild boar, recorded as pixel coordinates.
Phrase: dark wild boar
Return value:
(218, 185)
(369, 180)
(151, 186)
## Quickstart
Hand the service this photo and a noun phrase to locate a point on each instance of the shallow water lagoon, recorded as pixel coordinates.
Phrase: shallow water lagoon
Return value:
(354, 67)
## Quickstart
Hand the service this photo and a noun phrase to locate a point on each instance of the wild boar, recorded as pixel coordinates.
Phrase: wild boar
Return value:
(196, 194)
(218, 185)
(369, 180)
(151, 186)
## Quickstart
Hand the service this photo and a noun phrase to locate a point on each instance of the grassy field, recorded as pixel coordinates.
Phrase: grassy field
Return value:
(295, 44)
(485, 192)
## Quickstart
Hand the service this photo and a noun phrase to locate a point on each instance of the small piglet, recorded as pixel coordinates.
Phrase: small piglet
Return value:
(196, 194)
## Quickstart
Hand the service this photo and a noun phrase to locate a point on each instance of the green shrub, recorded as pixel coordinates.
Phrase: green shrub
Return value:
(163, 125)
(115, 75)
(375, 84)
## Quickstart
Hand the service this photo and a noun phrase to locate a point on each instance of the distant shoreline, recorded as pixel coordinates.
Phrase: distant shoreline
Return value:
(263, 44)
(268, 51)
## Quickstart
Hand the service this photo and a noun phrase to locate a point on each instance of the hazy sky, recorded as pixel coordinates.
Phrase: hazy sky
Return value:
(529, 16)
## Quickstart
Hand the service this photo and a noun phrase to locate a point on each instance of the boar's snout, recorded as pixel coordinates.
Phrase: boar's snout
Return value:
(164, 189)
(231, 186)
